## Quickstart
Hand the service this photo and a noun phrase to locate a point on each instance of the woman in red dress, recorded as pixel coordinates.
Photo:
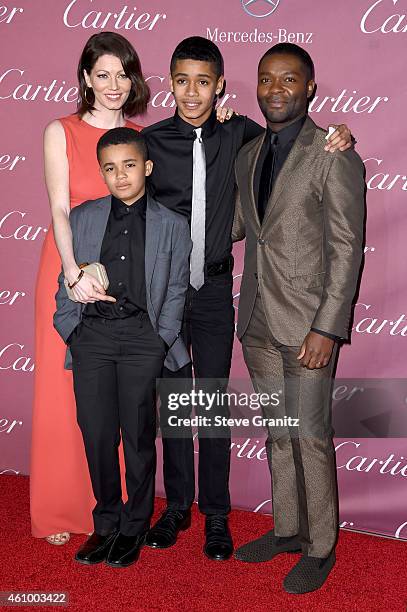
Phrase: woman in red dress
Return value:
(111, 87)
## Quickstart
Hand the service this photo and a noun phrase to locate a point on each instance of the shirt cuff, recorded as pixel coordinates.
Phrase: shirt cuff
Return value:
(326, 334)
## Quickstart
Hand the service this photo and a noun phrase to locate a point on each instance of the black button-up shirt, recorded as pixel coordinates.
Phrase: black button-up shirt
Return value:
(170, 145)
(123, 255)
(286, 138)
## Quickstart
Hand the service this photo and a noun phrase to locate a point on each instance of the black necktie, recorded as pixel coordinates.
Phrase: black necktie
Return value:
(266, 178)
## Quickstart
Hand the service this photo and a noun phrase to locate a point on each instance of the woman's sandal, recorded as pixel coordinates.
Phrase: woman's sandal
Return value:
(59, 539)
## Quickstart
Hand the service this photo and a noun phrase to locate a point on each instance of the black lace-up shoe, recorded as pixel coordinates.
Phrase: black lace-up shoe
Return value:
(95, 549)
(165, 532)
(125, 550)
(218, 545)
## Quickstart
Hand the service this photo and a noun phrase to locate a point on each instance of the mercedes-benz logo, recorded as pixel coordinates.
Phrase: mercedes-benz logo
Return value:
(260, 8)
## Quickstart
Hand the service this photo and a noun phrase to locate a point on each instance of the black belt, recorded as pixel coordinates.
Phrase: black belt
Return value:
(219, 267)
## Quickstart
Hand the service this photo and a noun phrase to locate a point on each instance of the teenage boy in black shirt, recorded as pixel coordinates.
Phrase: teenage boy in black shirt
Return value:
(196, 81)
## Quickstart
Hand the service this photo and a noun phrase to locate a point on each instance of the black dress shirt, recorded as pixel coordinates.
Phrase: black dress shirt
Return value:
(123, 255)
(286, 138)
(170, 144)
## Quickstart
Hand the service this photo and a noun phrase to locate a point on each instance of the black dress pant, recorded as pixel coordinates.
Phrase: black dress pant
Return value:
(208, 331)
(115, 367)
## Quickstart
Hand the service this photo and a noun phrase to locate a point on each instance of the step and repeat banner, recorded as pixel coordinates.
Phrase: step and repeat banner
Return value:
(358, 47)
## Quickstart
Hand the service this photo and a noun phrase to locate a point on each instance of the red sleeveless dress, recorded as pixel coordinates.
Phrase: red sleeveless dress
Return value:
(60, 488)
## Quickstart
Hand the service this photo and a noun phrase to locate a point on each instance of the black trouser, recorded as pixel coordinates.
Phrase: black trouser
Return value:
(115, 366)
(208, 329)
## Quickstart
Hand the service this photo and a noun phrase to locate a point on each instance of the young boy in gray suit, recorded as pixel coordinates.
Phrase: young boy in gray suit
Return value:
(119, 344)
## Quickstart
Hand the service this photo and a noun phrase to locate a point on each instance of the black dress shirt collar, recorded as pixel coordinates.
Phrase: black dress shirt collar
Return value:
(120, 209)
(289, 133)
(208, 127)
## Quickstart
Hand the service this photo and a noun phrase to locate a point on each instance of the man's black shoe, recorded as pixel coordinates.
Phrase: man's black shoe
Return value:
(309, 574)
(267, 547)
(125, 550)
(165, 532)
(218, 545)
(95, 549)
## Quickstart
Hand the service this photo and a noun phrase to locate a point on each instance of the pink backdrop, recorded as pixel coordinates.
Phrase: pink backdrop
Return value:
(359, 50)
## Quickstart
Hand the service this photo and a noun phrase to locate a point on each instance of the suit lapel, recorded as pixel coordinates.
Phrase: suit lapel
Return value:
(99, 223)
(153, 230)
(252, 159)
(294, 159)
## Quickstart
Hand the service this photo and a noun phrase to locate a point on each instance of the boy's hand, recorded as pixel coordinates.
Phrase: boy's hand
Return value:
(341, 139)
(88, 290)
(224, 113)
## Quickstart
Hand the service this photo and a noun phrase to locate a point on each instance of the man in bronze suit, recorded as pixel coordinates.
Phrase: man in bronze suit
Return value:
(301, 210)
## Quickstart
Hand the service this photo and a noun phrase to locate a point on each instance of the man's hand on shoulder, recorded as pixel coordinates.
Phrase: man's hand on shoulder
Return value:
(316, 351)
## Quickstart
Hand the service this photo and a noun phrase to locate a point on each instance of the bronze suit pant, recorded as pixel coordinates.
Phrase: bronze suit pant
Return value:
(301, 458)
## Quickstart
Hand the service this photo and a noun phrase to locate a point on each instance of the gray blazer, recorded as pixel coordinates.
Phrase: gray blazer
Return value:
(168, 245)
(306, 255)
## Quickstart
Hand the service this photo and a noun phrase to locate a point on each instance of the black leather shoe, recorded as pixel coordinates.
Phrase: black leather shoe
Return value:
(165, 532)
(218, 545)
(309, 574)
(95, 549)
(267, 547)
(125, 550)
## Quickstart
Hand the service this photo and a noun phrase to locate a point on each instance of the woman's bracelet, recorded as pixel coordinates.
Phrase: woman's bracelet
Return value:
(72, 285)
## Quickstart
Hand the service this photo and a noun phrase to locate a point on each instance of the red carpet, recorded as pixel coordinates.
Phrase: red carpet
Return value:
(370, 573)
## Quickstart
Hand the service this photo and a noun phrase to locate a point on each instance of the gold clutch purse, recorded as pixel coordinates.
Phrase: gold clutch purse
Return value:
(97, 270)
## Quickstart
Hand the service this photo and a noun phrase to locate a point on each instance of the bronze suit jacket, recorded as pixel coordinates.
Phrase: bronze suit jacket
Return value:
(306, 256)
